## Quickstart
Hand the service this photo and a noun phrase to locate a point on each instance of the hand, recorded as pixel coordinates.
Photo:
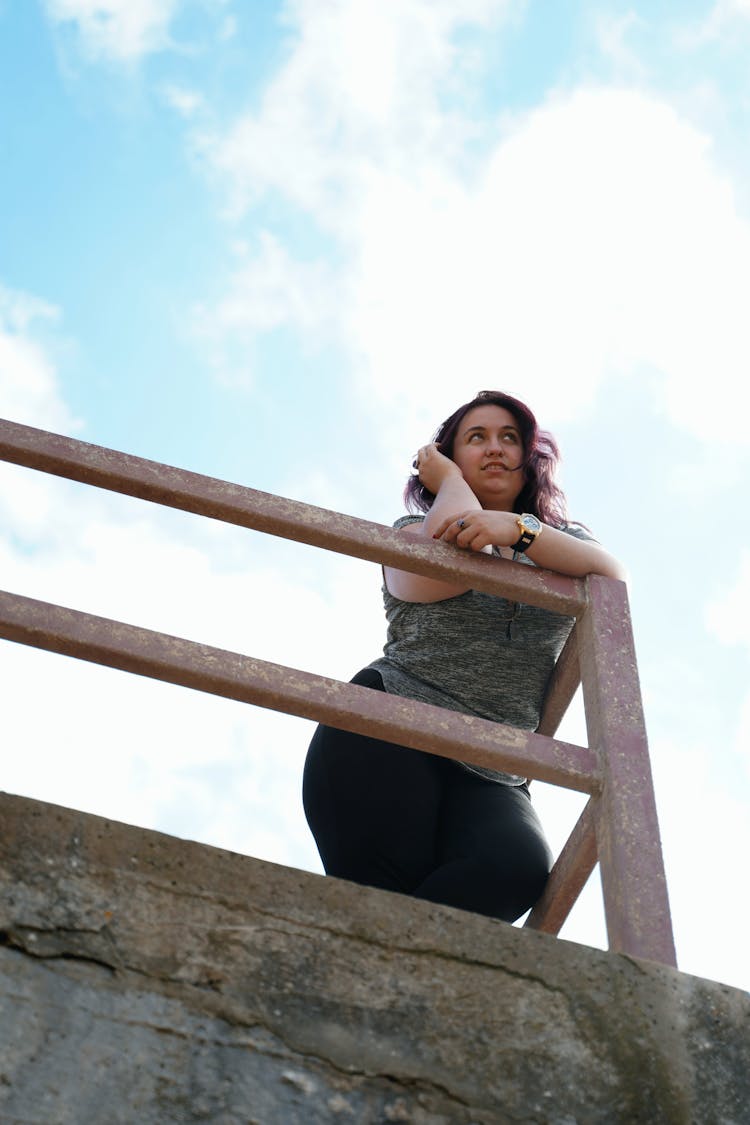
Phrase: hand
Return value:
(434, 467)
(479, 528)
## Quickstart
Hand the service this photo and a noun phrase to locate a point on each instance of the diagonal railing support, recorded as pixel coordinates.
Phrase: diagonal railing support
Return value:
(562, 686)
(569, 875)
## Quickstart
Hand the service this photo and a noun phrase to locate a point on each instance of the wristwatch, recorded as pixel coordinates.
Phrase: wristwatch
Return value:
(531, 528)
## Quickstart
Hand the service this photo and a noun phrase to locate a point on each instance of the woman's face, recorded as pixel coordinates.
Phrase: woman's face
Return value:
(489, 453)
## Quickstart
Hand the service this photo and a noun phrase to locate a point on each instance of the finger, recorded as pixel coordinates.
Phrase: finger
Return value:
(421, 458)
(464, 537)
(459, 532)
(448, 533)
(445, 525)
(461, 524)
(472, 535)
(479, 542)
(451, 533)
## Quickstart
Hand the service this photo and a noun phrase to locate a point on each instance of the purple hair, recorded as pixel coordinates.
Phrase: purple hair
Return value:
(540, 495)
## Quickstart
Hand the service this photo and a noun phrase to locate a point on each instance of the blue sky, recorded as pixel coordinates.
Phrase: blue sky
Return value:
(278, 243)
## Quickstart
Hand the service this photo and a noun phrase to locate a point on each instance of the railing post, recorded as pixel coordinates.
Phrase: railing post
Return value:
(634, 884)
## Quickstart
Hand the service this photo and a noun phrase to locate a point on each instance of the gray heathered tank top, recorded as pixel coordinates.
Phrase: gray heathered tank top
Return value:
(475, 653)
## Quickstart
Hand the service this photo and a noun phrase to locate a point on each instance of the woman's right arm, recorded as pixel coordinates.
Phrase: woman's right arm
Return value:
(452, 497)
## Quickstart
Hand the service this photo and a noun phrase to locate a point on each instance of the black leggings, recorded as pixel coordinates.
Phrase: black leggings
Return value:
(388, 816)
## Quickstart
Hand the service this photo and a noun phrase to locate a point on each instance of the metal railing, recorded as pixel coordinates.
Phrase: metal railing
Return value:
(618, 826)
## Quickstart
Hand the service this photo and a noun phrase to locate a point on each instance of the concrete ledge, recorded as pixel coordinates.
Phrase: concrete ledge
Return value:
(145, 979)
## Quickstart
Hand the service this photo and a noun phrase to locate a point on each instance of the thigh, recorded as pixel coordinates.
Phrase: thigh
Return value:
(372, 806)
(494, 858)
(481, 817)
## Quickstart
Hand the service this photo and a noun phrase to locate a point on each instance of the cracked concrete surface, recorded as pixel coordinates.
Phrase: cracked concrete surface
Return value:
(152, 980)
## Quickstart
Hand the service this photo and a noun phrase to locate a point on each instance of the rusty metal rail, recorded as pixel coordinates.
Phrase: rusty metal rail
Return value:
(234, 676)
(618, 826)
(289, 519)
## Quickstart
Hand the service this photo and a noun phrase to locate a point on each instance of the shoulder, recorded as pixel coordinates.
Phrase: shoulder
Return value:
(578, 531)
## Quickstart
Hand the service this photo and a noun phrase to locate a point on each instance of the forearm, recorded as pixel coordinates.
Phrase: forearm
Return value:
(552, 549)
(453, 497)
(556, 550)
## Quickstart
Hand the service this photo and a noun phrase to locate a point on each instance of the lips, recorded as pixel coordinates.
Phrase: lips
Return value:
(494, 466)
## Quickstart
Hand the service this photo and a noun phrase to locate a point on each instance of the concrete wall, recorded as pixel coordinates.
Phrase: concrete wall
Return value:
(144, 979)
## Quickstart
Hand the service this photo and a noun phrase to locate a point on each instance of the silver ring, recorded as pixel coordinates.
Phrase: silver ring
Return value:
(460, 523)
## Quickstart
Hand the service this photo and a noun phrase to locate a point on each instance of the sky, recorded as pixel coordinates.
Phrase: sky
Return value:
(277, 243)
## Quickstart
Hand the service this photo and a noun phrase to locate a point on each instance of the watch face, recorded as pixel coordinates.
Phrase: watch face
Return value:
(531, 522)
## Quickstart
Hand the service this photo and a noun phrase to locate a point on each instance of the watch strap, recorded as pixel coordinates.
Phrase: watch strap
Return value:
(527, 538)
(530, 528)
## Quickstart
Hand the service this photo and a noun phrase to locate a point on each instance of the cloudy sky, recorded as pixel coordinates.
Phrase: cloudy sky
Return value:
(277, 243)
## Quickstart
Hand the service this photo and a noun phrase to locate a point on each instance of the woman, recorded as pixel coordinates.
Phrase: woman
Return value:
(392, 817)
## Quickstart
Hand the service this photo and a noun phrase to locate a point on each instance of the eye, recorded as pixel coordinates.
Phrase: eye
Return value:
(476, 435)
(511, 437)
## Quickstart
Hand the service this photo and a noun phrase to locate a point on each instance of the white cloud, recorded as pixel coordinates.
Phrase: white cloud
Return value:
(153, 755)
(29, 394)
(160, 756)
(267, 289)
(597, 239)
(359, 89)
(722, 19)
(728, 619)
(742, 739)
(705, 829)
(612, 33)
(134, 749)
(728, 616)
(227, 28)
(185, 102)
(29, 390)
(122, 30)
(702, 822)
(144, 752)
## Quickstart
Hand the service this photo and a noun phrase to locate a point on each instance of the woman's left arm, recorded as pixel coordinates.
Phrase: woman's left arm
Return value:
(552, 549)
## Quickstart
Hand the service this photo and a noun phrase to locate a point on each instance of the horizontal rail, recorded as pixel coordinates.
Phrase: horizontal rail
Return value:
(568, 877)
(289, 519)
(348, 706)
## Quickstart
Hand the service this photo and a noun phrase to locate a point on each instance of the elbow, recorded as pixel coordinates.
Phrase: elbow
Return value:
(611, 568)
(608, 566)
